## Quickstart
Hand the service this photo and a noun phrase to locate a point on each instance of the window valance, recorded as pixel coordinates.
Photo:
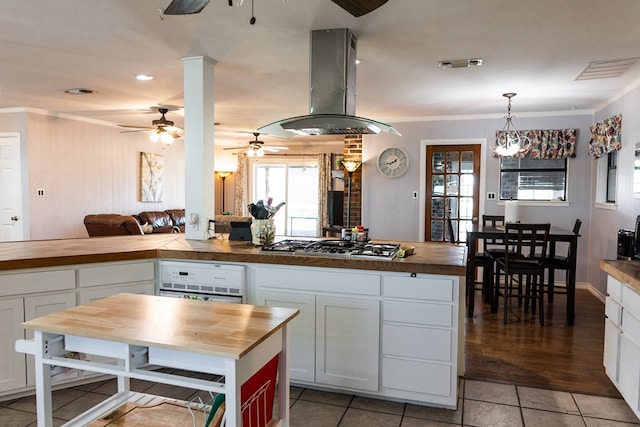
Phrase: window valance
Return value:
(606, 136)
(547, 144)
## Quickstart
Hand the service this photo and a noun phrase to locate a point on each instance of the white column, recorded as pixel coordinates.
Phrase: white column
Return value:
(198, 144)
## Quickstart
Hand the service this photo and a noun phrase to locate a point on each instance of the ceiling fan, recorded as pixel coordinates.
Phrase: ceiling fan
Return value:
(163, 129)
(355, 7)
(257, 147)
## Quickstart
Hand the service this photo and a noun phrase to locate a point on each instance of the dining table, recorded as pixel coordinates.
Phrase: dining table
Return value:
(556, 235)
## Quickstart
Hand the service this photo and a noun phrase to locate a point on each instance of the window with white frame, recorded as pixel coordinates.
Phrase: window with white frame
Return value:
(533, 179)
(293, 180)
(607, 173)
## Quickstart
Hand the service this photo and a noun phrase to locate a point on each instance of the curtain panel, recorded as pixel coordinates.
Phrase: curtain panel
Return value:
(606, 136)
(547, 144)
(324, 185)
(240, 202)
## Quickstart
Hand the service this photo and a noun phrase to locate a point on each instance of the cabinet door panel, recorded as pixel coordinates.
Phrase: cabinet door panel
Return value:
(39, 306)
(302, 335)
(611, 358)
(348, 342)
(629, 375)
(12, 368)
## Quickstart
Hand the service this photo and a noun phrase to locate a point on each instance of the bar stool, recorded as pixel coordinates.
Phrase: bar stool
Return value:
(525, 247)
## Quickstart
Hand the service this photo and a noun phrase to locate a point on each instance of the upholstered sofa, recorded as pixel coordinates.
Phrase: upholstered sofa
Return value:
(111, 225)
(169, 221)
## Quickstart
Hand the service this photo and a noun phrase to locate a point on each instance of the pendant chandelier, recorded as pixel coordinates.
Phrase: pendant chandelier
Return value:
(510, 142)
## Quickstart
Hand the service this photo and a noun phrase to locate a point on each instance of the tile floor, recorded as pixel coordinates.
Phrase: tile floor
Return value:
(481, 404)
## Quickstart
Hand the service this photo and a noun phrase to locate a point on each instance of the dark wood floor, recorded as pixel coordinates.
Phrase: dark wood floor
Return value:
(555, 356)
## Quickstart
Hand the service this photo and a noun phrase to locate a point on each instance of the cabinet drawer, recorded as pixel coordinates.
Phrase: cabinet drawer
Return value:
(614, 288)
(427, 288)
(318, 280)
(116, 273)
(41, 281)
(421, 313)
(613, 311)
(631, 300)
(419, 377)
(417, 342)
(631, 326)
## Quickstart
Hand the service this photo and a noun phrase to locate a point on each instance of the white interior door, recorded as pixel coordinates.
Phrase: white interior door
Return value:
(11, 222)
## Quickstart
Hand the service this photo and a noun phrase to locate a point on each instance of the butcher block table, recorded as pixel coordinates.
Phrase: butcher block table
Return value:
(233, 340)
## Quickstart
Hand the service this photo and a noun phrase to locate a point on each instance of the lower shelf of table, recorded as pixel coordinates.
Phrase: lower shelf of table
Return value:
(133, 409)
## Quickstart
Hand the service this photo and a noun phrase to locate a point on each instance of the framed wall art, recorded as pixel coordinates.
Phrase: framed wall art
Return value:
(151, 177)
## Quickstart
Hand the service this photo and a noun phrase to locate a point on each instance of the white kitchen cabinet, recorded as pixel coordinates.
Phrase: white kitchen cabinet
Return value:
(97, 281)
(622, 340)
(302, 342)
(420, 340)
(335, 339)
(12, 369)
(348, 342)
(42, 305)
(31, 293)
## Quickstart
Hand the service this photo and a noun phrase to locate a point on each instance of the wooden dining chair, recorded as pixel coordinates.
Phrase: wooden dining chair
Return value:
(525, 248)
(561, 262)
(475, 261)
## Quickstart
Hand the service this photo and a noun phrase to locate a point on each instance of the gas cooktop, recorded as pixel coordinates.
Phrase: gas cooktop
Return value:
(335, 248)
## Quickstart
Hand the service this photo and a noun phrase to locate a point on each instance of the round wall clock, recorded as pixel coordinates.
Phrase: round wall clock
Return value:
(393, 162)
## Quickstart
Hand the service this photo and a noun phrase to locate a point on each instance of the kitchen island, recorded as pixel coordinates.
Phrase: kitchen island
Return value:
(235, 341)
(378, 328)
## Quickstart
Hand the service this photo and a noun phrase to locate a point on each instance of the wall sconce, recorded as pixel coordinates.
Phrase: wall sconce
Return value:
(223, 176)
(351, 166)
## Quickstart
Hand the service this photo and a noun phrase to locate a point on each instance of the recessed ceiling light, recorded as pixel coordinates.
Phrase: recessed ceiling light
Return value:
(460, 63)
(78, 91)
(144, 77)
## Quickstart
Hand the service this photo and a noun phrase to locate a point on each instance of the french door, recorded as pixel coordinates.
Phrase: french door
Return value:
(453, 187)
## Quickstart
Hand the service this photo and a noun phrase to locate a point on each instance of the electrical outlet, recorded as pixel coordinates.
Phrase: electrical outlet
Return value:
(414, 195)
(491, 195)
(39, 192)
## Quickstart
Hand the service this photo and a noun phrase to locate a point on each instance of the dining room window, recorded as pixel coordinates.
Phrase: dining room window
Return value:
(535, 179)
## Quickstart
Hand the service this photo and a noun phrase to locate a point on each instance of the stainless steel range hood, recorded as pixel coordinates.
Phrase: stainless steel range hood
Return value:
(332, 91)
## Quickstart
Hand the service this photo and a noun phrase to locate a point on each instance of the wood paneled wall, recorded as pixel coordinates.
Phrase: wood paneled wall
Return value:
(86, 168)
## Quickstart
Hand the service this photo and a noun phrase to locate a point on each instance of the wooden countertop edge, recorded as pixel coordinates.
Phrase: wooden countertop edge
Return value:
(624, 271)
(58, 261)
(356, 264)
(428, 259)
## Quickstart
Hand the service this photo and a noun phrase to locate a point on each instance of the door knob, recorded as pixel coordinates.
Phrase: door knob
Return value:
(14, 218)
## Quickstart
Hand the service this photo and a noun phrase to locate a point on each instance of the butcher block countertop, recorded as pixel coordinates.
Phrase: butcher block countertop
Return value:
(428, 258)
(224, 330)
(625, 271)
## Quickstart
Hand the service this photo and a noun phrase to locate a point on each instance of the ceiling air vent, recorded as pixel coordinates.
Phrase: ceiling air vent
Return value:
(460, 63)
(606, 69)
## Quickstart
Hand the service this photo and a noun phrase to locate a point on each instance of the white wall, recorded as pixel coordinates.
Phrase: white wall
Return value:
(605, 223)
(390, 212)
(85, 168)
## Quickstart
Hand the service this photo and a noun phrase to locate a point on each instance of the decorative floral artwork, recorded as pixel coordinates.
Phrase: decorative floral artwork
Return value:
(547, 144)
(151, 177)
(606, 136)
